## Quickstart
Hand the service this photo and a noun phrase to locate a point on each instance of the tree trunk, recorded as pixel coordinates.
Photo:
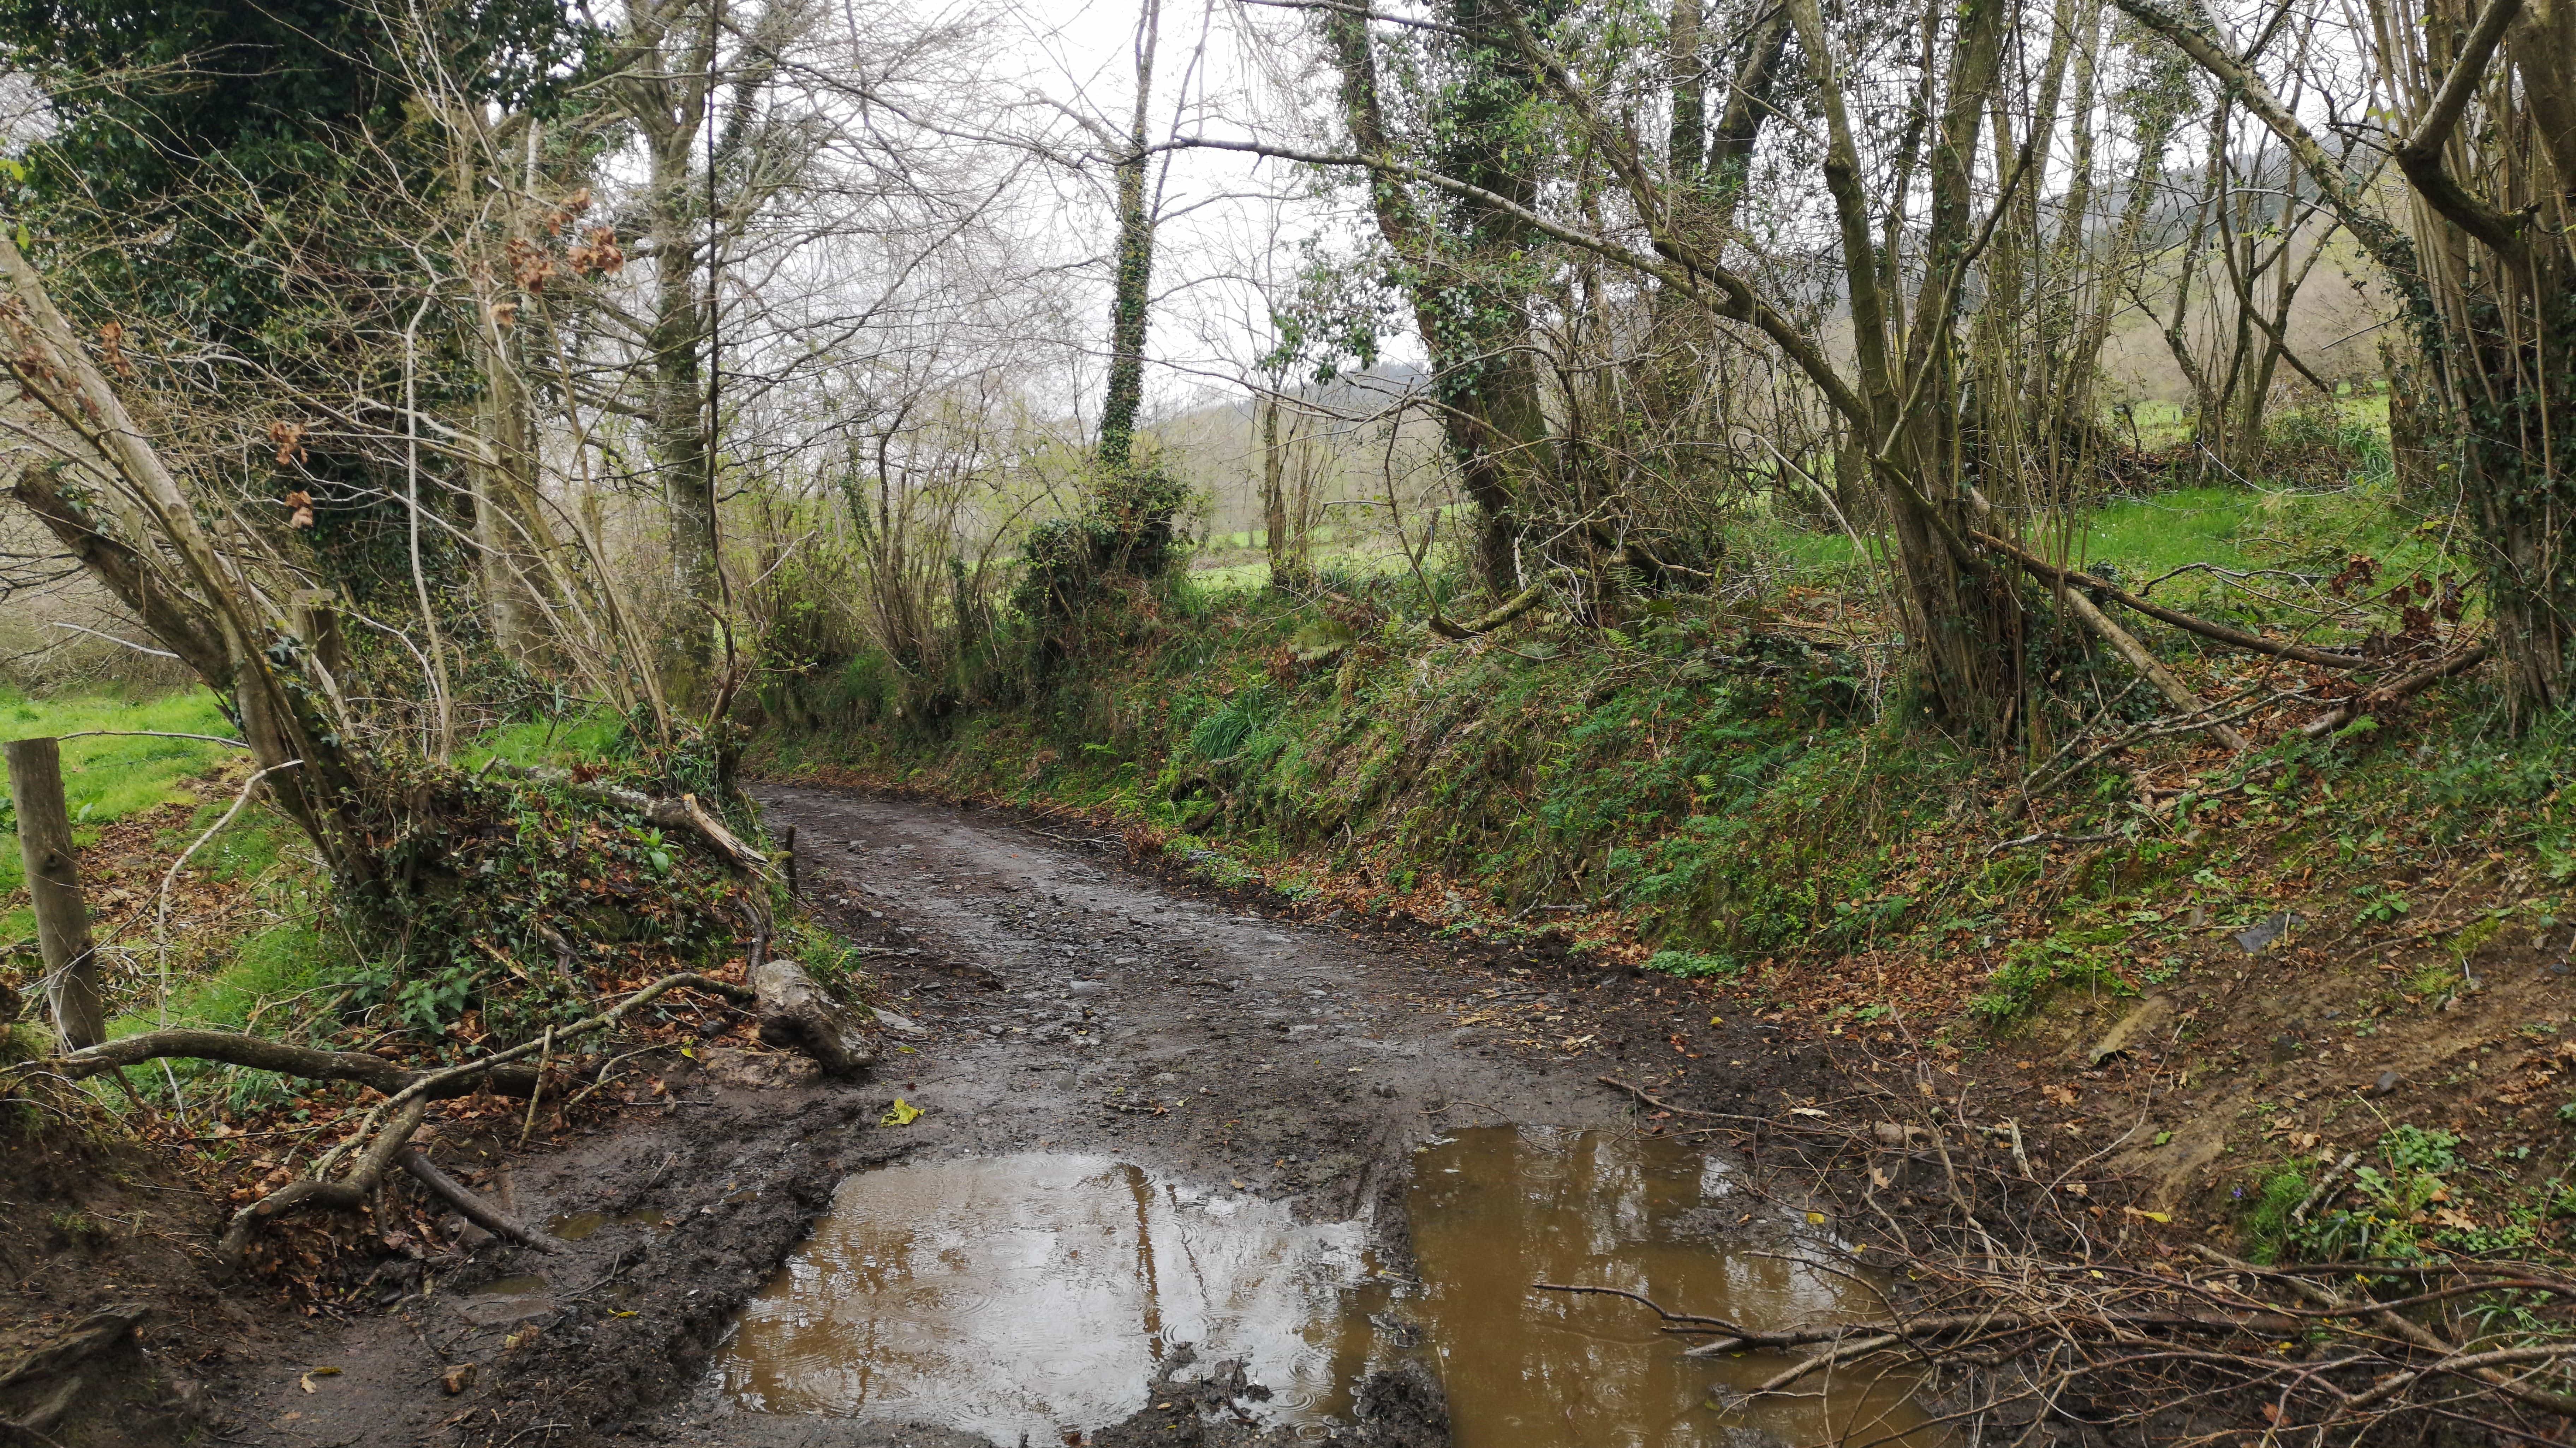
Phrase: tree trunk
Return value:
(1962, 616)
(1280, 536)
(1132, 294)
(1475, 329)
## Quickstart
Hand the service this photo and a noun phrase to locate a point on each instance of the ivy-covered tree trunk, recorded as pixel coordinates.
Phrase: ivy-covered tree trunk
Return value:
(1462, 271)
(1131, 296)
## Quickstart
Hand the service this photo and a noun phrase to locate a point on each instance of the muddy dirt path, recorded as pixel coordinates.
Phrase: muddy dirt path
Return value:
(1046, 997)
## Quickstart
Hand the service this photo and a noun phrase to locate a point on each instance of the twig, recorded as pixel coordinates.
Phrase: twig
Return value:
(1719, 1324)
(537, 1092)
(2049, 837)
(125, 643)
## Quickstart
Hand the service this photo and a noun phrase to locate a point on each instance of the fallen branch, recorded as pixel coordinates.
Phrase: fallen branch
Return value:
(1485, 623)
(1699, 1324)
(2152, 669)
(789, 1006)
(2453, 1356)
(2393, 691)
(396, 1082)
(2188, 623)
(475, 1209)
(262, 1054)
(347, 1194)
(683, 813)
(2047, 837)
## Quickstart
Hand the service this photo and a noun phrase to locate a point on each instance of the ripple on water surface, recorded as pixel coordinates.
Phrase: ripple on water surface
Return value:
(1035, 1293)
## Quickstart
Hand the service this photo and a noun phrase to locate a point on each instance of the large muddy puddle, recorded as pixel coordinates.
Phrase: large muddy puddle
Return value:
(1042, 1294)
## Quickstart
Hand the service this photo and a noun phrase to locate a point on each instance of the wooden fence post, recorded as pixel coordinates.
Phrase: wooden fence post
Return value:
(53, 885)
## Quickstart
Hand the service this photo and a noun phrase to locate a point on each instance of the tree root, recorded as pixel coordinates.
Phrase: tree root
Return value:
(347, 1194)
(1485, 623)
(791, 1009)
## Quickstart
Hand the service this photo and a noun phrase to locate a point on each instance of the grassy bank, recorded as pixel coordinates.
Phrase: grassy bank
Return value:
(1728, 790)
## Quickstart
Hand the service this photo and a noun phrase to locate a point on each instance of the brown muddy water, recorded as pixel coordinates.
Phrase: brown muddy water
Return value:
(1039, 1293)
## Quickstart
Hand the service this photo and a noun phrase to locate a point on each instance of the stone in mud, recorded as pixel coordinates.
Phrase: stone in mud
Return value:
(2253, 938)
(2133, 1030)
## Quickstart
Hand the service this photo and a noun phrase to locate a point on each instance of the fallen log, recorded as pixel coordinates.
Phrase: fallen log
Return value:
(796, 1014)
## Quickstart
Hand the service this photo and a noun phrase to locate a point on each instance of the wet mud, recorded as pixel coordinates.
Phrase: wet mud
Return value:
(1251, 1108)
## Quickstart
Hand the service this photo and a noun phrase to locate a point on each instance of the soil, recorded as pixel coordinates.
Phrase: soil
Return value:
(1057, 998)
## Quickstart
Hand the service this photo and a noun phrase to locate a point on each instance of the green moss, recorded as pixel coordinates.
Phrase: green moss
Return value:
(2264, 1219)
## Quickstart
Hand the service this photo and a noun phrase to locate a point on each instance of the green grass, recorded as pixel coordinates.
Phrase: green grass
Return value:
(266, 972)
(553, 741)
(2160, 533)
(108, 779)
(1370, 557)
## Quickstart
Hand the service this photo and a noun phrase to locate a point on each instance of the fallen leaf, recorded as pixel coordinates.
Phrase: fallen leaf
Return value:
(2148, 1216)
(306, 1382)
(456, 1379)
(1815, 1219)
(902, 1113)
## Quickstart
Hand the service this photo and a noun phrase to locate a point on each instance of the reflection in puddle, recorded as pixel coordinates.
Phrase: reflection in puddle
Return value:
(1495, 1209)
(1025, 1294)
(1036, 1293)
